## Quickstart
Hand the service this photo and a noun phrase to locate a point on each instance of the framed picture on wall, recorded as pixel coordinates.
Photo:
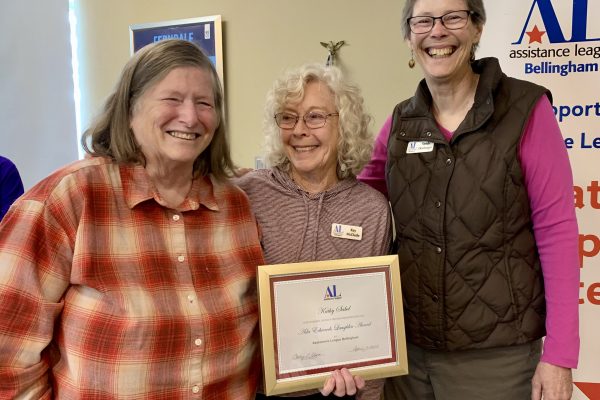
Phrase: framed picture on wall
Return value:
(204, 31)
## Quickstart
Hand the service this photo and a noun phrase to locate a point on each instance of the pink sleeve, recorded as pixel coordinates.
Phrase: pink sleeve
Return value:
(549, 182)
(373, 174)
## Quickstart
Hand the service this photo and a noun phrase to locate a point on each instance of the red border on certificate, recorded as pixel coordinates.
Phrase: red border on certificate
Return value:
(327, 274)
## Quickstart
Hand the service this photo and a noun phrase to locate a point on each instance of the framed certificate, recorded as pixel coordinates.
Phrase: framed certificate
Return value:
(325, 315)
(203, 31)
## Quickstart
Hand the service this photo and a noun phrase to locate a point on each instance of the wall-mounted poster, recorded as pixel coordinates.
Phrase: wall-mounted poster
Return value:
(204, 31)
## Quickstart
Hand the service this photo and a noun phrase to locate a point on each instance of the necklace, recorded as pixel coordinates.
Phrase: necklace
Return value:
(309, 186)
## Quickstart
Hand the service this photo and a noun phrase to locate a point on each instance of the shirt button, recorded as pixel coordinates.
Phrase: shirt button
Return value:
(435, 298)
(191, 298)
(196, 389)
(437, 343)
(438, 204)
(428, 134)
(175, 217)
(438, 250)
(198, 342)
(402, 133)
(194, 205)
(181, 258)
(448, 161)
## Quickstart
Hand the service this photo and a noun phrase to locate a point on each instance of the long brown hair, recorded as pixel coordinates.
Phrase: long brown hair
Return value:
(110, 134)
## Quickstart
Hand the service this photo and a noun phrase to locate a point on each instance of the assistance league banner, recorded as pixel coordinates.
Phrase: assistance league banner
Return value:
(556, 43)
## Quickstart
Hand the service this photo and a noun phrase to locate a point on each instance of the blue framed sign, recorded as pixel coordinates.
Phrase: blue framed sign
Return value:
(203, 31)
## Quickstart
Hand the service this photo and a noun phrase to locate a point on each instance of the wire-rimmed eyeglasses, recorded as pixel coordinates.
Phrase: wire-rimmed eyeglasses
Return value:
(312, 120)
(452, 20)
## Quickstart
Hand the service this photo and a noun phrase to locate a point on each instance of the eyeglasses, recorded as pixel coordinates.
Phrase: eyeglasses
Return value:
(312, 120)
(452, 20)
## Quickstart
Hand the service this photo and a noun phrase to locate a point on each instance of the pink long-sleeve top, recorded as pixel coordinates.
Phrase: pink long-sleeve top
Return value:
(549, 182)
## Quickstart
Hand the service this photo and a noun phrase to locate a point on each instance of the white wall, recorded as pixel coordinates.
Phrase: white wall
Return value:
(36, 89)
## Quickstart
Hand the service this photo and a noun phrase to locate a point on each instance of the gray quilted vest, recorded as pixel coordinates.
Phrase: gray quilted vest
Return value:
(470, 269)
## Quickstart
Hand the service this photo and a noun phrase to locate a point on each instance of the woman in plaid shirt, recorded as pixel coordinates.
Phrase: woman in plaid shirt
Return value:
(131, 274)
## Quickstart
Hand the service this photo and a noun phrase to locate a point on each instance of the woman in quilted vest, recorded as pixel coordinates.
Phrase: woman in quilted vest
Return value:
(481, 190)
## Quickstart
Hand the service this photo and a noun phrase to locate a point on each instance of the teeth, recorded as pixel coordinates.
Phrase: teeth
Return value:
(440, 52)
(183, 135)
(304, 148)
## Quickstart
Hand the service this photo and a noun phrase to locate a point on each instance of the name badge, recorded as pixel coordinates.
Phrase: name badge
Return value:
(419, 147)
(346, 231)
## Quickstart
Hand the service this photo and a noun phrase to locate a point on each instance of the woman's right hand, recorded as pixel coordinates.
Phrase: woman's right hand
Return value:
(342, 383)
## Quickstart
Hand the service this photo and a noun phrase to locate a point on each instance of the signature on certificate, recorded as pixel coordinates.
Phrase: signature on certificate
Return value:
(360, 349)
(307, 356)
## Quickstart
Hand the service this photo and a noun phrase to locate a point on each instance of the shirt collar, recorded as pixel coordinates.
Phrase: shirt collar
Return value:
(138, 188)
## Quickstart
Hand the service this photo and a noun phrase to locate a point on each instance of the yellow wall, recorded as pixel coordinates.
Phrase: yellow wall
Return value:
(261, 38)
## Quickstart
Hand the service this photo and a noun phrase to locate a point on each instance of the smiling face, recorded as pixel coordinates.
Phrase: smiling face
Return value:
(313, 152)
(174, 120)
(443, 54)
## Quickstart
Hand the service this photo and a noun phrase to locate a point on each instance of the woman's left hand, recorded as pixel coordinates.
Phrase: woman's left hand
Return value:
(342, 383)
(551, 382)
(242, 171)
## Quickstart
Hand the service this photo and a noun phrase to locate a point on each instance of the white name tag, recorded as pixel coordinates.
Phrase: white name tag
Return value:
(346, 231)
(419, 147)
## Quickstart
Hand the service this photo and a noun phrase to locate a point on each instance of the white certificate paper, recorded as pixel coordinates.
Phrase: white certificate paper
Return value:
(332, 321)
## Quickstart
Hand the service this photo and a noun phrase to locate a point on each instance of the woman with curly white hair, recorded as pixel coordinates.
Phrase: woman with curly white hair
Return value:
(317, 141)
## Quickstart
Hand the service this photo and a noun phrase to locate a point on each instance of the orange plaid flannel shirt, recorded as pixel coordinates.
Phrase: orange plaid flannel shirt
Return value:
(104, 293)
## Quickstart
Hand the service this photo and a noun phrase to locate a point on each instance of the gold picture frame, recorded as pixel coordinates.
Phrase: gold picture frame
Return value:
(319, 316)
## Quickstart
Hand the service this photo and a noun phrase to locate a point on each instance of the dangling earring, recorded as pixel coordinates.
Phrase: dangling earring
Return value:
(411, 62)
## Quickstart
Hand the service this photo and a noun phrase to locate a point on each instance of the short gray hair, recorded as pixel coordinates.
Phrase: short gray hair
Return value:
(355, 141)
(476, 6)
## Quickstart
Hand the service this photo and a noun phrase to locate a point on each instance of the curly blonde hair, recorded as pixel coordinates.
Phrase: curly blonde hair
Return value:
(355, 141)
